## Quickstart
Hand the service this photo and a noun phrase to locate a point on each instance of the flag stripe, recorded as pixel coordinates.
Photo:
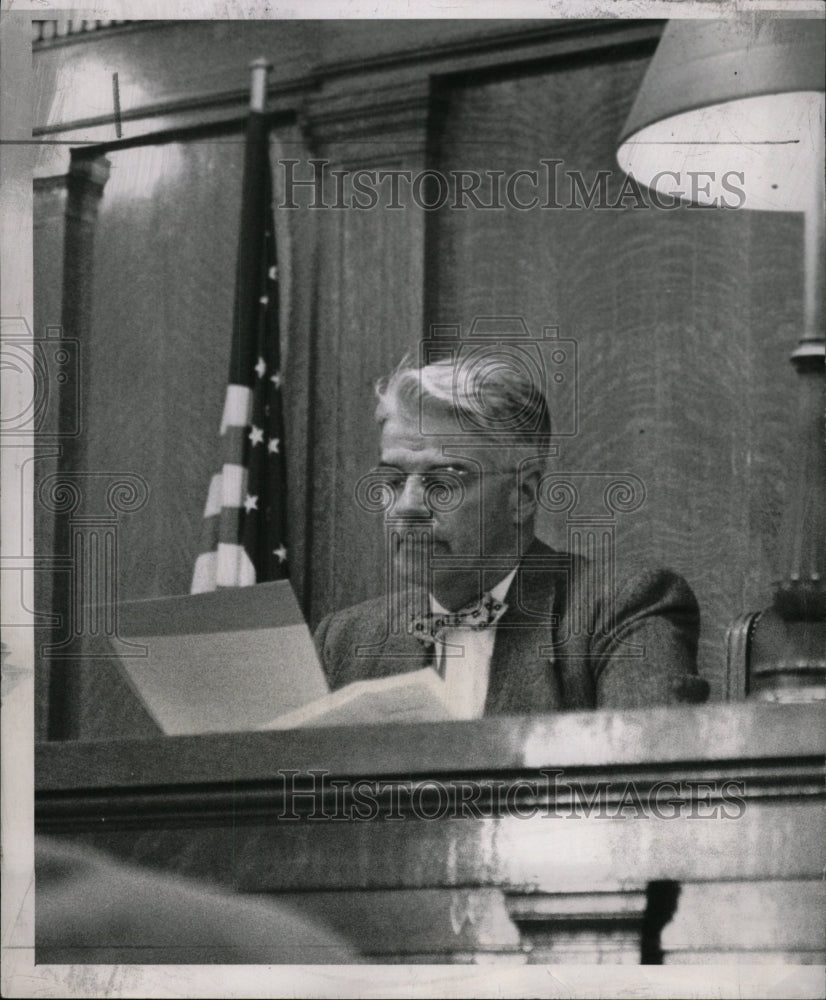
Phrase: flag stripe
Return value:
(229, 525)
(234, 567)
(213, 504)
(233, 485)
(234, 446)
(203, 578)
(237, 407)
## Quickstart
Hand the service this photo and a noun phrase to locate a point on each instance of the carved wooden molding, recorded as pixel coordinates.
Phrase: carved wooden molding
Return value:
(52, 31)
(526, 43)
(340, 115)
(85, 182)
(738, 638)
(691, 789)
(574, 927)
(482, 770)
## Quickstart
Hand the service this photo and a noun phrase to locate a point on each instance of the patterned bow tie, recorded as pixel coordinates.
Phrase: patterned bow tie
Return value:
(478, 615)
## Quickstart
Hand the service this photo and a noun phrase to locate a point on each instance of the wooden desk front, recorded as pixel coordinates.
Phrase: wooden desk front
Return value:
(676, 835)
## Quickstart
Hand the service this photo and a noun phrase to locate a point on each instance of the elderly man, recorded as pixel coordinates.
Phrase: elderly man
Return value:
(511, 625)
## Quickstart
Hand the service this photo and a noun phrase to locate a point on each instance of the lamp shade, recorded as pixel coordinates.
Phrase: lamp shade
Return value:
(730, 113)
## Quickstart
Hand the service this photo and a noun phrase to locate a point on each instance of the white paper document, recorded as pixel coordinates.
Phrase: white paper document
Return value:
(243, 659)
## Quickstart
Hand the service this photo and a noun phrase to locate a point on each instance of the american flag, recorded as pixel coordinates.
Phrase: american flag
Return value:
(244, 532)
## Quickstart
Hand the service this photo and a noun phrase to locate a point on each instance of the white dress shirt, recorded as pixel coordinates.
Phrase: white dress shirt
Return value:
(465, 654)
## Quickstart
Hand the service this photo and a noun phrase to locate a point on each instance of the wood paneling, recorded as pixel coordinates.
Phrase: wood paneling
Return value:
(683, 319)
(420, 925)
(163, 292)
(160, 64)
(155, 360)
(370, 303)
(169, 71)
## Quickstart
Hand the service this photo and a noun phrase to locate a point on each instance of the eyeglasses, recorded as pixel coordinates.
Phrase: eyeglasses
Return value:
(444, 478)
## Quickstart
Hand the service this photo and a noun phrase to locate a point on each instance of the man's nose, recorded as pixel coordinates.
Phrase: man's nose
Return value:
(411, 501)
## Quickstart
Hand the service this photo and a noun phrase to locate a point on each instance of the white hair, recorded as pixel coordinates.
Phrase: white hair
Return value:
(490, 392)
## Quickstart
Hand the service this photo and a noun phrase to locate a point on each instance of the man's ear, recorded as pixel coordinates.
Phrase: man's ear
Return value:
(525, 492)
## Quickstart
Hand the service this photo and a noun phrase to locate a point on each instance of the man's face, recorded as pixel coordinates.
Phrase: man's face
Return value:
(481, 530)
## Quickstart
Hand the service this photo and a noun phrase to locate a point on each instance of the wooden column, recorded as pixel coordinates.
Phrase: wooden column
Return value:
(84, 188)
(49, 231)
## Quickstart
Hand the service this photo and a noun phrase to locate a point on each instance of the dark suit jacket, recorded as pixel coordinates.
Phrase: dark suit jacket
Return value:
(565, 642)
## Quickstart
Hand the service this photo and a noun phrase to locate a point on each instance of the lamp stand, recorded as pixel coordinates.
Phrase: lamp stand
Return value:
(787, 660)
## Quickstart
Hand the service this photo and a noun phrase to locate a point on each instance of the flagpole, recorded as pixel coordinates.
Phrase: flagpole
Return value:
(238, 518)
(259, 71)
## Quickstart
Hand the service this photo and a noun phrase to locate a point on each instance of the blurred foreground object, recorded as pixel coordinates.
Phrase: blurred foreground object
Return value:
(92, 909)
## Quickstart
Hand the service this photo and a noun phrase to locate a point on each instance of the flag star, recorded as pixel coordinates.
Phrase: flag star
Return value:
(272, 274)
(251, 503)
(264, 299)
(276, 380)
(256, 435)
(272, 447)
(281, 552)
(261, 368)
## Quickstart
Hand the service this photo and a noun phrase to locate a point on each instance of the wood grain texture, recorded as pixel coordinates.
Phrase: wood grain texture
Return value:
(162, 79)
(417, 925)
(370, 300)
(48, 228)
(539, 853)
(683, 319)
(156, 357)
(161, 337)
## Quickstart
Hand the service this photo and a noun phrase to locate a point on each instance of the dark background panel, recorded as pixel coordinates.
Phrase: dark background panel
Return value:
(163, 290)
(368, 318)
(683, 319)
